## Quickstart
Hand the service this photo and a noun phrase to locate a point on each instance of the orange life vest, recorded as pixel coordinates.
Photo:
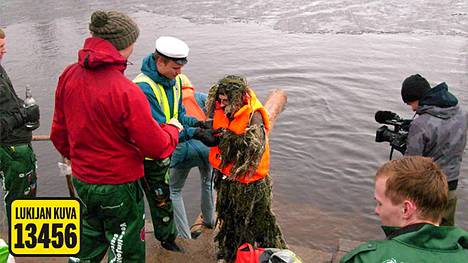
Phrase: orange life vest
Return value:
(238, 125)
(188, 99)
(191, 105)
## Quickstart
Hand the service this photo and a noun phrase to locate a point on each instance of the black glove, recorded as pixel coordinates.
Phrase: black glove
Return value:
(30, 114)
(207, 136)
(208, 124)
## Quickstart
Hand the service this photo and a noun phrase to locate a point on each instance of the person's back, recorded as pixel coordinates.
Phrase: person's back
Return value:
(420, 243)
(103, 110)
(440, 130)
(103, 124)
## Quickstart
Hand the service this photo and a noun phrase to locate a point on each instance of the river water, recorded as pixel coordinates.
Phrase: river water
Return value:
(338, 60)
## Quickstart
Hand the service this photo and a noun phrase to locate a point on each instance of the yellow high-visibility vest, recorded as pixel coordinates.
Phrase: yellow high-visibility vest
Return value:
(161, 96)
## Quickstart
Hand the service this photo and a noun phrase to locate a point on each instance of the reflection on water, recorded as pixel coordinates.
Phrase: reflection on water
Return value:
(339, 61)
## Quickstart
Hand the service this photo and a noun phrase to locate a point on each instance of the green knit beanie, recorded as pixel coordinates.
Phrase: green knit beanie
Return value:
(115, 27)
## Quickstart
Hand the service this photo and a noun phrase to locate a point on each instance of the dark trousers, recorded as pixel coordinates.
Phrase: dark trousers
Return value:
(156, 187)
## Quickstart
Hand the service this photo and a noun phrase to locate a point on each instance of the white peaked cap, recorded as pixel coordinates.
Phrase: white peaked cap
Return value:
(173, 48)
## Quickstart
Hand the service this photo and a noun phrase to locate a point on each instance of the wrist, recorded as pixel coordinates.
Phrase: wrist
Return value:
(176, 126)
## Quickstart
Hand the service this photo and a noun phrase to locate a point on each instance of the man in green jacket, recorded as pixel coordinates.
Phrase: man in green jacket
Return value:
(17, 159)
(411, 195)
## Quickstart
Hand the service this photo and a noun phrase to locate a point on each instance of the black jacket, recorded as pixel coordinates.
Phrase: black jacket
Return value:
(10, 104)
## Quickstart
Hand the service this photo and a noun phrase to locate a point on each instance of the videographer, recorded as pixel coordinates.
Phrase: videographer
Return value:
(439, 131)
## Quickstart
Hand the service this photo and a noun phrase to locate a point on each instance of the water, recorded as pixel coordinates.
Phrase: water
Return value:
(339, 61)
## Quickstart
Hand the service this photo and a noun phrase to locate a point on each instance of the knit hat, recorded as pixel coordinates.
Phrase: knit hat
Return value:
(115, 27)
(413, 88)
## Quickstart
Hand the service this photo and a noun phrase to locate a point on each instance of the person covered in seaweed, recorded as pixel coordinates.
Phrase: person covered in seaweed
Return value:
(241, 167)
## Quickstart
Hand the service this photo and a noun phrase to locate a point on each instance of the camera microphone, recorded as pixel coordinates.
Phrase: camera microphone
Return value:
(385, 116)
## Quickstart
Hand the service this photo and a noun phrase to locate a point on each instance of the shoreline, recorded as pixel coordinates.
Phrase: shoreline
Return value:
(203, 249)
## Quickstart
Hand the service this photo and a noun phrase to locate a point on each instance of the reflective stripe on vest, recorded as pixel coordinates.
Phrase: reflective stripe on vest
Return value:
(161, 96)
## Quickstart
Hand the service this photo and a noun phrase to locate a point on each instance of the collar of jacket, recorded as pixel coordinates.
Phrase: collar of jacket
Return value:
(393, 231)
(149, 68)
(98, 52)
(428, 236)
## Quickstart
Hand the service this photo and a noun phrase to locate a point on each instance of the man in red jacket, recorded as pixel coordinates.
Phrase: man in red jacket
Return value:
(103, 124)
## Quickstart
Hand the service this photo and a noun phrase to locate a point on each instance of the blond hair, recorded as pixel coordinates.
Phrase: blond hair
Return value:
(418, 179)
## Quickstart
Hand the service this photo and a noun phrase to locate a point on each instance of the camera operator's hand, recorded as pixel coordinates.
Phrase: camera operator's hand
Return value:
(208, 124)
(208, 137)
(30, 114)
(174, 122)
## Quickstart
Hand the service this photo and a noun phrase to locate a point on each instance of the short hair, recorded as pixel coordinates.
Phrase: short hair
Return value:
(2, 34)
(418, 179)
(165, 59)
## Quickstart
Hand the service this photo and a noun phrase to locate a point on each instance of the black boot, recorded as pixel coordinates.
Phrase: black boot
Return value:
(171, 246)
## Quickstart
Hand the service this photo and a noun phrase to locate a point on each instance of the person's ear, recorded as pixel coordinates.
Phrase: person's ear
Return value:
(409, 209)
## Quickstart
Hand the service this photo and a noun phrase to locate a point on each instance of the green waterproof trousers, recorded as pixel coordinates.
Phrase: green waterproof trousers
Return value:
(18, 173)
(156, 187)
(112, 219)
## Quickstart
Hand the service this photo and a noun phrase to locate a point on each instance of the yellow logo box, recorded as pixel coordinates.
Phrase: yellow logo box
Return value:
(45, 227)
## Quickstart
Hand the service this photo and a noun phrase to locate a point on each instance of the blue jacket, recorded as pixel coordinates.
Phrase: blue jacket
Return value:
(191, 153)
(148, 67)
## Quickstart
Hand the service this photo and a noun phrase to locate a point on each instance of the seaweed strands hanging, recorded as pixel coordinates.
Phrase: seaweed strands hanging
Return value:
(245, 216)
(243, 151)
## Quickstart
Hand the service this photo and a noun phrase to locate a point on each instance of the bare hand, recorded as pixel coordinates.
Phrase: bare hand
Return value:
(174, 122)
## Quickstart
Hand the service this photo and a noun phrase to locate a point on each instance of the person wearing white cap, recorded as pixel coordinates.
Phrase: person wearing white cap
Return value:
(161, 81)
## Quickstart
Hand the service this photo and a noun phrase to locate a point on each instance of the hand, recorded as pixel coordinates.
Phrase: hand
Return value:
(208, 137)
(174, 122)
(30, 114)
(208, 124)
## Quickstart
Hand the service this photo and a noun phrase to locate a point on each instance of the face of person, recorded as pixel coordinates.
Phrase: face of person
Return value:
(223, 99)
(3, 49)
(169, 70)
(390, 214)
(414, 104)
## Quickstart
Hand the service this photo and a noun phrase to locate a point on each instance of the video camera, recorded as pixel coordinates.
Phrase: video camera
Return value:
(396, 137)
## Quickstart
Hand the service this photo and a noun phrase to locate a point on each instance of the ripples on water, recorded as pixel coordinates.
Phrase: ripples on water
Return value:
(339, 61)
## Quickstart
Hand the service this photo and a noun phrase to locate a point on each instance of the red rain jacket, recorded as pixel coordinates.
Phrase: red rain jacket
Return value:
(102, 121)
